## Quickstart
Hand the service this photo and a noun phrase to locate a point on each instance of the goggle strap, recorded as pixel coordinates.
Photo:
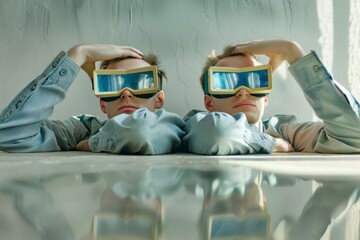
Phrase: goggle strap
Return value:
(206, 83)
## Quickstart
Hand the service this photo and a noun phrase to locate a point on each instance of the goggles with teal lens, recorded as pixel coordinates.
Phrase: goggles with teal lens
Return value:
(223, 82)
(251, 226)
(141, 82)
(112, 226)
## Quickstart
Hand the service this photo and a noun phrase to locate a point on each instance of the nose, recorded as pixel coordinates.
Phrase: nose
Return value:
(126, 94)
(242, 92)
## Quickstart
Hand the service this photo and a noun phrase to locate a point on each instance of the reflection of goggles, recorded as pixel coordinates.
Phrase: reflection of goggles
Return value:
(142, 82)
(112, 226)
(222, 82)
(253, 225)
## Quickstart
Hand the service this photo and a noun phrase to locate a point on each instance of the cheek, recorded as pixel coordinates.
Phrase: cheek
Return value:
(221, 104)
(148, 103)
(110, 106)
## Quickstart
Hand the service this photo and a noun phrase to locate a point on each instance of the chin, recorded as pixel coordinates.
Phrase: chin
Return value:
(128, 110)
(251, 119)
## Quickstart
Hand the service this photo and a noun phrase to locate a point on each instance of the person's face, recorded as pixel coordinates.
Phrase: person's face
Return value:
(127, 102)
(253, 107)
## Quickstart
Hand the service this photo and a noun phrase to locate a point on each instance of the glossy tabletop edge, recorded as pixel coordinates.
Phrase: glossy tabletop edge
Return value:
(308, 165)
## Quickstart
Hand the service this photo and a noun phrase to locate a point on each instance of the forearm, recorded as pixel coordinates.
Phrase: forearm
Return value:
(341, 121)
(38, 98)
(292, 51)
(23, 117)
(85, 56)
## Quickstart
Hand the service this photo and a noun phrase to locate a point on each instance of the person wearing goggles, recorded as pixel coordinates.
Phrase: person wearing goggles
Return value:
(224, 82)
(236, 88)
(129, 86)
(132, 83)
(238, 84)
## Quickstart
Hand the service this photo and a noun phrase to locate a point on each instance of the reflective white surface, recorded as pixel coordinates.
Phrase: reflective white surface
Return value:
(64, 195)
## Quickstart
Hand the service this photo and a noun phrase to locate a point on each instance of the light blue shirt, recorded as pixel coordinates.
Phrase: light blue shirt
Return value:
(24, 124)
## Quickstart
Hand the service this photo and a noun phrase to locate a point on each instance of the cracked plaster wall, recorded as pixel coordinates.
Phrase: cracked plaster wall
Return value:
(182, 33)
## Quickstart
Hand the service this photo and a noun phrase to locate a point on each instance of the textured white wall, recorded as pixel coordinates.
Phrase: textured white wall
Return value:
(182, 33)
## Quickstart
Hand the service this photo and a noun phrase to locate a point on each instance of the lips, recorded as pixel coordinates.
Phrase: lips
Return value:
(244, 105)
(128, 108)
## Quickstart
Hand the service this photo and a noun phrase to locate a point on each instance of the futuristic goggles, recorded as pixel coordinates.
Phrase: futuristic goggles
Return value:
(113, 226)
(142, 82)
(251, 226)
(225, 82)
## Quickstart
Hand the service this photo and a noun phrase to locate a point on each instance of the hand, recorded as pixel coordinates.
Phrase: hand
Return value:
(83, 146)
(282, 145)
(277, 50)
(86, 55)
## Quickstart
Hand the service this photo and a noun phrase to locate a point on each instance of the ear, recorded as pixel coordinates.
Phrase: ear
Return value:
(160, 99)
(266, 101)
(103, 106)
(209, 105)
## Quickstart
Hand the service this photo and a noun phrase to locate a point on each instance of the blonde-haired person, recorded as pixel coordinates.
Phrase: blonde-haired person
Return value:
(234, 124)
(136, 124)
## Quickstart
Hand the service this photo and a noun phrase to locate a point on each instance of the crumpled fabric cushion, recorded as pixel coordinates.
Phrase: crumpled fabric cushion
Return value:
(142, 132)
(218, 133)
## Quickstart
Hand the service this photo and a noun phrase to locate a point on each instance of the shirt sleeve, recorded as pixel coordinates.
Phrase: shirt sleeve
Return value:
(22, 127)
(218, 133)
(70, 132)
(339, 131)
(142, 132)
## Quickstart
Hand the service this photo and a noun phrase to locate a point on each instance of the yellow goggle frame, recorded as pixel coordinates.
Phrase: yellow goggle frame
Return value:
(228, 81)
(111, 83)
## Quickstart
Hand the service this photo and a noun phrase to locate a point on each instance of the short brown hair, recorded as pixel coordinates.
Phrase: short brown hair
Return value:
(213, 59)
(150, 58)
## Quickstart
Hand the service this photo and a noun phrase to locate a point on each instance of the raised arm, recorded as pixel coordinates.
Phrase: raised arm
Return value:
(278, 51)
(331, 102)
(22, 127)
(85, 56)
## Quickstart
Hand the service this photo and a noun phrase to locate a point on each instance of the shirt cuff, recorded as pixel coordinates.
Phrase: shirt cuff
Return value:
(309, 70)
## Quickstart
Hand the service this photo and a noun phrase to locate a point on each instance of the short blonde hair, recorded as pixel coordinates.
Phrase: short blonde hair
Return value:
(150, 58)
(213, 59)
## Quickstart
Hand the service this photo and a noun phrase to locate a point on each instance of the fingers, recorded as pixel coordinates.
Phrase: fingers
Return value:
(275, 49)
(83, 54)
(126, 51)
(282, 145)
(83, 146)
(135, 52)
(102, 52)
(278, 50)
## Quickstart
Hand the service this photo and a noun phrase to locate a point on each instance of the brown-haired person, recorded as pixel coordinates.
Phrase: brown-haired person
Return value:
(135, 125)
(234, 124)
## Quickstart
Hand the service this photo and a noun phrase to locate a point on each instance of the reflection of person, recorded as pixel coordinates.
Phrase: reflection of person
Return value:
(233, 203)
(328, 205)
(234, 122)
(132, 205)
(39, 210)
(239, 216)
(133, 126)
